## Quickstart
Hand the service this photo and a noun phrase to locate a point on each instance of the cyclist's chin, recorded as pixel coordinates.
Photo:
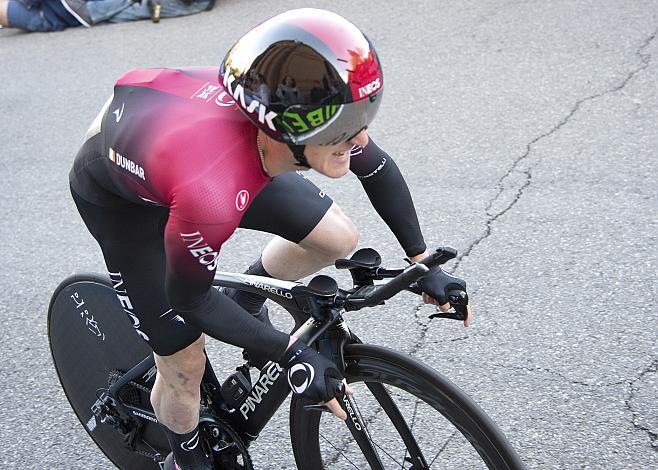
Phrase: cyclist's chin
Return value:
(337, 166)
(333, 162)
(335, 170)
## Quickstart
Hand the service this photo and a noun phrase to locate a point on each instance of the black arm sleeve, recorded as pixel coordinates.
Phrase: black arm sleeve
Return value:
(220, 317)
(389, 194)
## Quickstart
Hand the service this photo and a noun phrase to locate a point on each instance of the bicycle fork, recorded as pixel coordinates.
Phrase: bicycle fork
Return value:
(271, 388)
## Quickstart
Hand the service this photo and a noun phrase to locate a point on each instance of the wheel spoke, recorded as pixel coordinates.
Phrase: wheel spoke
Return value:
(443, 447)
(365, 425)
(413, 421)
(390, 408)
(340, 452)
(390, 456)
(422, 409)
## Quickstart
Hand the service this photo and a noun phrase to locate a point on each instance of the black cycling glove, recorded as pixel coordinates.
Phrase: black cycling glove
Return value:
(438, 283)
(311, 374)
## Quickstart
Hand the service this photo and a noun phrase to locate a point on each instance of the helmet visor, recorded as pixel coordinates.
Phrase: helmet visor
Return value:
(328, 124)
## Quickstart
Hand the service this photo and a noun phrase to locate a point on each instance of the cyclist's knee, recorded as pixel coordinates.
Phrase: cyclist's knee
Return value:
(184, 369)
(334, 237)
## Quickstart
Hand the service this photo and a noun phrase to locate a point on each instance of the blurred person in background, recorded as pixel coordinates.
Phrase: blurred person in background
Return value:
(57, 15)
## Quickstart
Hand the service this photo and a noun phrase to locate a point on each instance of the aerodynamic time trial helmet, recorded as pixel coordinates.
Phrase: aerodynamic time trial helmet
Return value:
(306, 76)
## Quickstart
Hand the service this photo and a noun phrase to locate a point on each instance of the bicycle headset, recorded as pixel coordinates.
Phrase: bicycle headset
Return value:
(306, 76)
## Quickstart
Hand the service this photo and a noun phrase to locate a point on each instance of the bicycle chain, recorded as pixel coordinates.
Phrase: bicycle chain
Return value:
(140, 387)
(149, 455)
(116, 374)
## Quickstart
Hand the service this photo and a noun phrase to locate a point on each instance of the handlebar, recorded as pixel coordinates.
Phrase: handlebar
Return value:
(397, 284)
(369, 295)
(440, 256)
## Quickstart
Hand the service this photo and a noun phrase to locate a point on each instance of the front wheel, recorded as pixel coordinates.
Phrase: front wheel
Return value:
(402, 415)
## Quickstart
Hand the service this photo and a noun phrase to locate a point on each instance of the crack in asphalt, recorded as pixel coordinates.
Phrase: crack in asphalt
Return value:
(632, 383)
(493, 215)
(525, 174)
(559, 374)
(423, 328)
(653, 435)
(653, 367)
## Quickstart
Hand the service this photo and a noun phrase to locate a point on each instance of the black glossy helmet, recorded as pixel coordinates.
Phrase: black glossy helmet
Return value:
(305, 76)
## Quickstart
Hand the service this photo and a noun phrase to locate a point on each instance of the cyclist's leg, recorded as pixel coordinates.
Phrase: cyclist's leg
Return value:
(312, 231)
(175, 398)
(131, 238)
(335, 236)
(175, 395)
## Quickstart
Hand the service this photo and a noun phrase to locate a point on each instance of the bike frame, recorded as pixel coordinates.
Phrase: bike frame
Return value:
(318, 310)
(271, 387)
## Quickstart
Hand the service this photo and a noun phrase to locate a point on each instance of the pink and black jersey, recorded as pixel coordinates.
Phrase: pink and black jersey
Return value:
(173, 138)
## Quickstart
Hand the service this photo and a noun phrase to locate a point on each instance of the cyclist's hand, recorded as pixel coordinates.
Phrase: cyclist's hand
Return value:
(314, 377)
(437, 284)
(334, 405)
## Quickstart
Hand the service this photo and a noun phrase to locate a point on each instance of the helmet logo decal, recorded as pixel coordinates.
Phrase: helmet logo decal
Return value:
(241, 200)
(264, 116)
(297, 123)
(370, 88)
(365, 69)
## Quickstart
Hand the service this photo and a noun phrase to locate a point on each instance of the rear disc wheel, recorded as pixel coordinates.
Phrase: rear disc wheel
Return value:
(92, 341)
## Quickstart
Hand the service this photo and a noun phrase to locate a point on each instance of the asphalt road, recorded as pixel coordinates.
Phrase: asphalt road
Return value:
(528, 133)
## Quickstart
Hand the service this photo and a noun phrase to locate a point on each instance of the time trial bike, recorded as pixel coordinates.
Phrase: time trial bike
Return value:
(403, 414)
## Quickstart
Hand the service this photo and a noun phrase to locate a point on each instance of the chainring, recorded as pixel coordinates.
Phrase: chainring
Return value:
(127, 393)
(228, 449)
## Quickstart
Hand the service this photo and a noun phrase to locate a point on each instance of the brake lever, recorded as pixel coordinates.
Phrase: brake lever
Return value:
(340, 394)
(458, 297)
(317, 407)
(458, 314)
(459, 301)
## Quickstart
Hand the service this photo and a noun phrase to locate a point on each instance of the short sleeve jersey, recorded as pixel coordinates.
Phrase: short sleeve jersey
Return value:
(174, 138)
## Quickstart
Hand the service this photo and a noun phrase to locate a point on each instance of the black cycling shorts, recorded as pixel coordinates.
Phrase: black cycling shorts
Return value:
(131, 238)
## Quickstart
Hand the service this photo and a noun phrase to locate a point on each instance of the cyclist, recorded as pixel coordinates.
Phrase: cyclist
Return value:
(174, 163)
